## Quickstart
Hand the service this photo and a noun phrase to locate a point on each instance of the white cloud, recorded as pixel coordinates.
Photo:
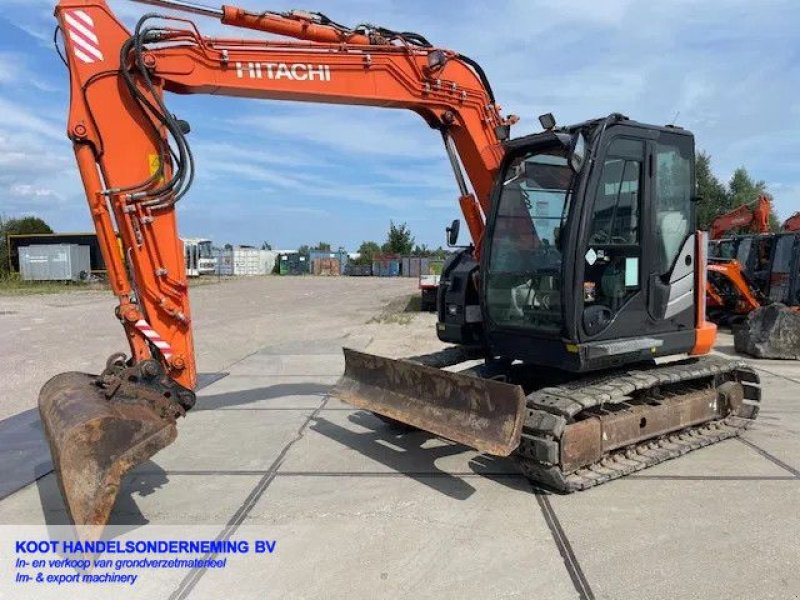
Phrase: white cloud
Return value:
(352, 130)
(26, 190)
(728, 67)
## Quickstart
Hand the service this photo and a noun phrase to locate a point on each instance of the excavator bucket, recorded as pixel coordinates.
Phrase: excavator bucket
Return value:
(481, 413)
(94, 441)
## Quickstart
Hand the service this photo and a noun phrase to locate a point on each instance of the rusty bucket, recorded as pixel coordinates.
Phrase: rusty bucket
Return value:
(94, 441)
(481, 413)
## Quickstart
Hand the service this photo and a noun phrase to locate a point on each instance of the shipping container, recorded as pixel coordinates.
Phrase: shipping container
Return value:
(293, 264)
(56, 262)
(17, 241)
(326, 266)
(414, 266)
(355, 270)
(246, 262)
(386, 266)
(340, 255)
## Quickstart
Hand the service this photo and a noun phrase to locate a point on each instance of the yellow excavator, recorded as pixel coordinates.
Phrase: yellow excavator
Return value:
(582, 292)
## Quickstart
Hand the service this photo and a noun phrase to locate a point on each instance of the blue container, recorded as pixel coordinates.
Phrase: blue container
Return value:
(386, 267)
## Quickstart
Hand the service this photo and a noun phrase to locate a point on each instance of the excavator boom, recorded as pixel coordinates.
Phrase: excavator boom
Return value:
(136, 164)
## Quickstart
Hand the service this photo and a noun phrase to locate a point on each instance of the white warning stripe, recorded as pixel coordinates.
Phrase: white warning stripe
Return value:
(83, 57)
(85, 45)
(85, 42)
(84, 17)
(87, 33)
(152, 335)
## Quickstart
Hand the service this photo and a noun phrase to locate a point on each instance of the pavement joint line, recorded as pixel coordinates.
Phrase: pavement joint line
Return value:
(773, 459)
(254, 472)
(192, 578)
(564, 547)
(211, 378)
(768, 372)
(257, 409)
(268, 408)
(465, 474)
(713, 477)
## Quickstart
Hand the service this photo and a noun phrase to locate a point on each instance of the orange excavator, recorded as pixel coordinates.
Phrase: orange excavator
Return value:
(730, 295)
(792, 223)
(586, 265)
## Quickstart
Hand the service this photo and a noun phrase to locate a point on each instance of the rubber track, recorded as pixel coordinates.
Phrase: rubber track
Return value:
(551, 409)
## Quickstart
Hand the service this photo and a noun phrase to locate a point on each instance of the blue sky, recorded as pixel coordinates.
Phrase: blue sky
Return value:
(296, 173)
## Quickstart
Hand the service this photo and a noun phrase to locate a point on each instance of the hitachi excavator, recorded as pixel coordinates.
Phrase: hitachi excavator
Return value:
(582, 291)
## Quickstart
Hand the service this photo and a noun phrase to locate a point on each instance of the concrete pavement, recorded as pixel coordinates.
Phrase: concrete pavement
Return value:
(361, 510)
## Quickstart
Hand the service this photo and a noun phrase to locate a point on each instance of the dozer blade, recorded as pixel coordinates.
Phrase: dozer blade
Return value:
(95, 441)
(481, 413)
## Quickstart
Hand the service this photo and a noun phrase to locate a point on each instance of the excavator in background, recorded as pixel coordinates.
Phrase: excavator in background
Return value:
(792, 223)
(753, 216)
(754, 281)
(585, 264)
(748, 271)
(730, 295)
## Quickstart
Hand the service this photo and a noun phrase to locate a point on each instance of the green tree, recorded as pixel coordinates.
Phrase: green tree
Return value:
(440, 253)
(266, 246)
(712, 192)
(422, 250)
(399, 240)
(304, 250)
(367, 251)
(718, 199)
(742, 189)
(21, 226)
(323, 247)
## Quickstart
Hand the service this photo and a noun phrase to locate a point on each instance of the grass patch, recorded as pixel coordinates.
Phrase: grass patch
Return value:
(15, 286)
(399, 311)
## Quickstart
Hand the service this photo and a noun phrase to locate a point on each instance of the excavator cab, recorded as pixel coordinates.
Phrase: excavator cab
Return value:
(590, 258)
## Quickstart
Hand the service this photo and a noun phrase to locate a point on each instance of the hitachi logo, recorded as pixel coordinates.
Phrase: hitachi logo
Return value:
(294, 71)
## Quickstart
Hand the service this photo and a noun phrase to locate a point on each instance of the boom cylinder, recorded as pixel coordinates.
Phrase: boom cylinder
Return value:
(185, 6)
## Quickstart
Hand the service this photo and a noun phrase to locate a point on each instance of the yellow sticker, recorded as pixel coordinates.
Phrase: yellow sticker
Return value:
(572, 348)
(155, 165)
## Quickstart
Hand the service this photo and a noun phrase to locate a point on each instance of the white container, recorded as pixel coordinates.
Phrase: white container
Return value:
(247, 262)
(56, 262)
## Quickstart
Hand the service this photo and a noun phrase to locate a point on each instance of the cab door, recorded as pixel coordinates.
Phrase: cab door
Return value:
(638, 245)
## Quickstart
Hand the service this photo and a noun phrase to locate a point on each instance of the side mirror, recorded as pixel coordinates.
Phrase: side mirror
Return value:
(452, 232)
(577, 152)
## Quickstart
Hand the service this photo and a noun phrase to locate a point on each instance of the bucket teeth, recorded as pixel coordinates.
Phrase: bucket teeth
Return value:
(94, 441)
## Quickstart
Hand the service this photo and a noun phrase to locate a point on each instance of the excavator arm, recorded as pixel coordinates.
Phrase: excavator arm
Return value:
(792, 223)
(136, 164)
(754, 216)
